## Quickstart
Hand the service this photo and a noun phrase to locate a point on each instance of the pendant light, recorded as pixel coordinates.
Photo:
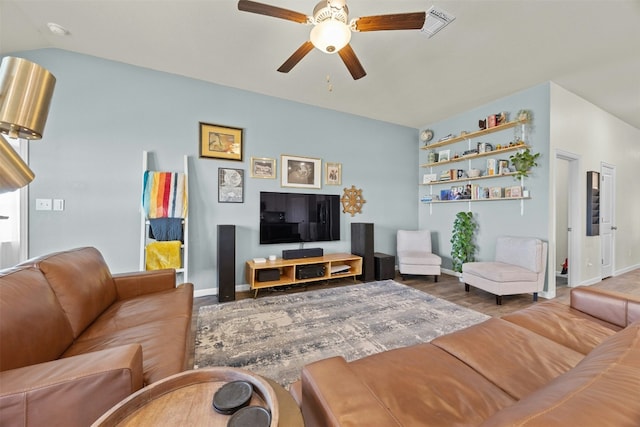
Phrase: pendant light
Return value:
(25, 95)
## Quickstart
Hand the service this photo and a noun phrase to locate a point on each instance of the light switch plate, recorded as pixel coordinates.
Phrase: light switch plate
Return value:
(58, 204)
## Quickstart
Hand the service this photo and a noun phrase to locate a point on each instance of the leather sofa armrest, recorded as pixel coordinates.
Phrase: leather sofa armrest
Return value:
(130, 285)
(73, 391)
(612, 307)
(332, 395)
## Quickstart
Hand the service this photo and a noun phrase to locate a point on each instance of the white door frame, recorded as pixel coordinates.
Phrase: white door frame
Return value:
(612, 198)
(574, 250)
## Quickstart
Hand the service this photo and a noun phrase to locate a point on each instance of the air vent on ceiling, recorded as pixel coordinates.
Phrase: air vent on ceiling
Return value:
(436, 20)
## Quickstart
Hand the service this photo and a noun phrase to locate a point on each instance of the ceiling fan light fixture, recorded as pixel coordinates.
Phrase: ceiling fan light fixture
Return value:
(330, 36)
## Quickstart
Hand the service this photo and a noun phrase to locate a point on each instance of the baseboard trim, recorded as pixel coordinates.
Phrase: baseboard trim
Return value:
(214, 291)
(626, 270)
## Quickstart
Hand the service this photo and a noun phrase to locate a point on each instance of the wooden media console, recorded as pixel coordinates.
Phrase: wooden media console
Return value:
(335, 266)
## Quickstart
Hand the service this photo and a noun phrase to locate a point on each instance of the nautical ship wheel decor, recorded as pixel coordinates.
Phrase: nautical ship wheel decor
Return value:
(352, 200)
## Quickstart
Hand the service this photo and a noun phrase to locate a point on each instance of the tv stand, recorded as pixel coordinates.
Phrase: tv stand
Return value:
(341, 264)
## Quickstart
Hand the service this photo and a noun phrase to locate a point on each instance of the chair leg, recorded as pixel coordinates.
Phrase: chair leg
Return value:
(535, 297)
(466, 287)
(499, 299)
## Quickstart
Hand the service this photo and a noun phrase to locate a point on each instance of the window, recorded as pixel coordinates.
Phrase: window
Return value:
(13, 214)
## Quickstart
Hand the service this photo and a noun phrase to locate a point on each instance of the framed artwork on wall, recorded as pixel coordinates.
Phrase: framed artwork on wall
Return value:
(301, 172)
(333, 173)
(220, 142)
(262, 167)
(230, 185)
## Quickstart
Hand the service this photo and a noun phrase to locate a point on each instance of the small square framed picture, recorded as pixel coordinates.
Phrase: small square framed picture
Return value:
(262, 167)
(333, 174)
(444, 155)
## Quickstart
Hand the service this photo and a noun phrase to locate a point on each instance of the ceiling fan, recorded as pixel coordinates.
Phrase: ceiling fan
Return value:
(331, 31)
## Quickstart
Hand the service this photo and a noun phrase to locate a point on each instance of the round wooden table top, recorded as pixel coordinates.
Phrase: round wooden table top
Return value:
(186, 399)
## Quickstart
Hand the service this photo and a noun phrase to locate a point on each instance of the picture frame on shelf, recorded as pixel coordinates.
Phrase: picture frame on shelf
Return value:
(429, 177)
(263, 167)
(300, 172)
(503, 167)
(230, 185)
(333, 173)
(220, 142)
(516, 191)
(444, 156)
(495, 193)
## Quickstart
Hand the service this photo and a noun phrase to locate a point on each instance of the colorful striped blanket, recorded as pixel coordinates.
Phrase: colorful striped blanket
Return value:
(164, 194)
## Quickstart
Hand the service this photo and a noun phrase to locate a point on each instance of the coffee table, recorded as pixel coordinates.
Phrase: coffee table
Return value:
(185, 399)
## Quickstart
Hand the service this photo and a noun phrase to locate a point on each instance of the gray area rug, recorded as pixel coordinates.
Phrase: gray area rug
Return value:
(276, 336)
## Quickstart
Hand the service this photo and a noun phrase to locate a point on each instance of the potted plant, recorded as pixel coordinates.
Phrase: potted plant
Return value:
(463, 247)
(523, 161)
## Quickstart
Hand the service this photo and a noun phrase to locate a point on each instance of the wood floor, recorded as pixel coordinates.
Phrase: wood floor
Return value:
(448, 288)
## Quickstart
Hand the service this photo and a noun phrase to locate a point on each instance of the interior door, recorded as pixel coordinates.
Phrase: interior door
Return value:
(607, 218)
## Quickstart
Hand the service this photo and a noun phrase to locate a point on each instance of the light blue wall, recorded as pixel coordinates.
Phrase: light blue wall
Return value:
(104, 114)
(499, 217)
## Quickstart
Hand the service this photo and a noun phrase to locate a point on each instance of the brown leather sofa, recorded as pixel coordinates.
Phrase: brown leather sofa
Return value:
(548, 365)
(75, 340)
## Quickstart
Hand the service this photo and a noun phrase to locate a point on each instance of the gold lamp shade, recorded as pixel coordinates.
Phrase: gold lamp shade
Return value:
(25, 94)
(14, 171)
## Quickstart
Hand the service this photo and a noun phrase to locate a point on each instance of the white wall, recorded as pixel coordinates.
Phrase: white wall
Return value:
(578, 126)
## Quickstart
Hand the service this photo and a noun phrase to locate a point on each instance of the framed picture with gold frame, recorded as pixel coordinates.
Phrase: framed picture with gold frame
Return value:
(220, 142)
(262, 167)
(333, 173)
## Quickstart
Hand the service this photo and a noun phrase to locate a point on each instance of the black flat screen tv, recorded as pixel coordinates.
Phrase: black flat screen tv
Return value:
(299, 217)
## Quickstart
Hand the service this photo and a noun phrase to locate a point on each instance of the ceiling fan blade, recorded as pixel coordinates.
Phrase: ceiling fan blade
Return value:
(268, 10)
(398, 21)
(351, 61)
(296, 57)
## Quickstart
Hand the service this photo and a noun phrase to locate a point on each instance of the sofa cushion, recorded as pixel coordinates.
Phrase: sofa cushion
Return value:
(523, 363)
(166, 305)
(612, 307)
(82, 282)
(164, 344)
(419, 258)
(521, 251)
(33, 326)
(418, 384)
(563, 324)
(499, 272)
(602, 390)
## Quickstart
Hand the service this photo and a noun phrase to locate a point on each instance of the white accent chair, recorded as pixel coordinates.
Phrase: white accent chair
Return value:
(413, 248)
(519, 267)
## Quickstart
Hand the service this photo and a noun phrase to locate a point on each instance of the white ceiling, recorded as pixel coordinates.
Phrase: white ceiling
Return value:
(492, 49)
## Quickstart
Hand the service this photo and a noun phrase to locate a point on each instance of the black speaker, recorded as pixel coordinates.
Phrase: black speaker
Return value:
(226, 263)
(302, 253)
(268, 274)
(362, 245)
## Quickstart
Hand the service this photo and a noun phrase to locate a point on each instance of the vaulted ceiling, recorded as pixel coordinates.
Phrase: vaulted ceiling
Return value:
(492, 49)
